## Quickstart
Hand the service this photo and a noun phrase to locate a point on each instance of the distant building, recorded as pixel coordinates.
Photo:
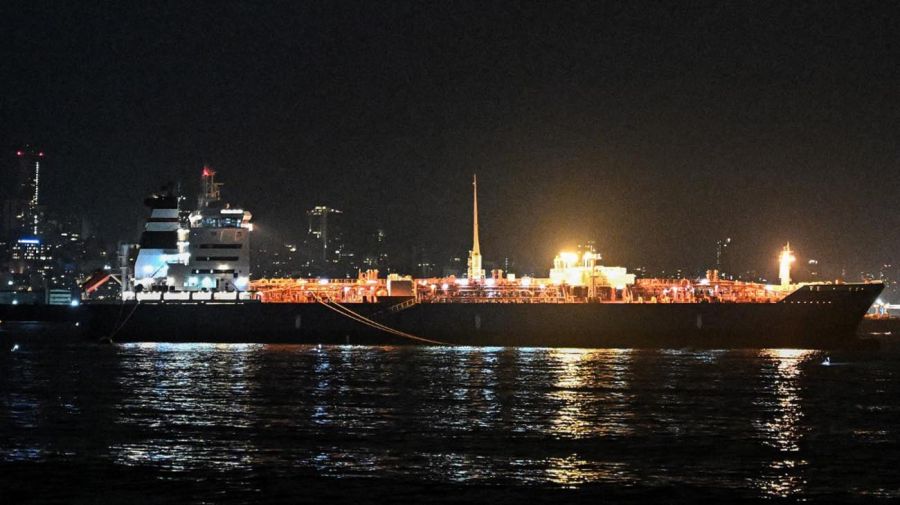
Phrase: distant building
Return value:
(328, 252)
(324, 231)
(276, 260)
(813, 274)
(21, 196)
(29, 255)
(376, 252)
(724, 262)
(422, 264)
(508, 265)
(40, 251)
(888, 275)
(455, 266)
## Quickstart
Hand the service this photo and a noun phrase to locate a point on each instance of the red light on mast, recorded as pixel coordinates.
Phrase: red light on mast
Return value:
(208, 172)
(41, 154)
(18, 153)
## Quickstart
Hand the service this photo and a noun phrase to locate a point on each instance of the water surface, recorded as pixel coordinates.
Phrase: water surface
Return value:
(150, 423)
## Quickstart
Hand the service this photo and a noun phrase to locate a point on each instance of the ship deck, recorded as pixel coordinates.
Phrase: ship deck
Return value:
(524, 290)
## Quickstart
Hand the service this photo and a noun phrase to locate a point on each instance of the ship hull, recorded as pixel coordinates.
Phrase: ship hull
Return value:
(805, 319)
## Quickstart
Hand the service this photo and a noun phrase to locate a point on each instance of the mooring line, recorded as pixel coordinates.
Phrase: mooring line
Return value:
(124, 322)
(346, 312)
(386, 328)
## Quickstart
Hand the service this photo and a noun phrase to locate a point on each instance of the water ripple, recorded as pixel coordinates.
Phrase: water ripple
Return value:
(769, 423)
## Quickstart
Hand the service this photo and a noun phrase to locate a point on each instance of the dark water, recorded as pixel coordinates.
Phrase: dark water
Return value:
(161, 423)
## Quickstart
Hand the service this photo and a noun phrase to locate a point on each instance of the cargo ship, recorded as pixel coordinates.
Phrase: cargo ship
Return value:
(190, 282)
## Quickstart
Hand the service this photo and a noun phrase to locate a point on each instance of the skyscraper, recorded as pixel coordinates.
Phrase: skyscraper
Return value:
(325, 238)
(723, 258)
(21, 210)
(22, 223)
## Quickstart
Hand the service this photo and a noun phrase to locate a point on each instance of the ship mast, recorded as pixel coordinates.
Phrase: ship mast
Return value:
(475, 272)
(211, 188)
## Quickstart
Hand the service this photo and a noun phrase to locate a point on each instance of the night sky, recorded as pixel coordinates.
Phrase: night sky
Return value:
(655, 128)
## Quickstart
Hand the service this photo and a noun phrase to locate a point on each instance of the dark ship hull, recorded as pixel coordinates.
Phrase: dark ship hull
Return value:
(825, 316)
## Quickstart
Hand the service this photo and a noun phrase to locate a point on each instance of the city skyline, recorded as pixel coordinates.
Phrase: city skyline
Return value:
(353, 251)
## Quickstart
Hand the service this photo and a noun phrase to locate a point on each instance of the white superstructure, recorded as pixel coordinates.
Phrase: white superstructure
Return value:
(209, 251)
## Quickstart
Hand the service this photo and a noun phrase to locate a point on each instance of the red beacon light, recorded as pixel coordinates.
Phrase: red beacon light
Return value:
(208, 172)
(41, 154)
(19, 153)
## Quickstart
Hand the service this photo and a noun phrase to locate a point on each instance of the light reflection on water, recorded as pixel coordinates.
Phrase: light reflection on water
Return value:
(571, 471)
(192, 389)
(558, 417)
(591, 393)
(781, 427)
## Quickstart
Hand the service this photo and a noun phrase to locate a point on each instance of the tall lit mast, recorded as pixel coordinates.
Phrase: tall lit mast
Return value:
(475, 271)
